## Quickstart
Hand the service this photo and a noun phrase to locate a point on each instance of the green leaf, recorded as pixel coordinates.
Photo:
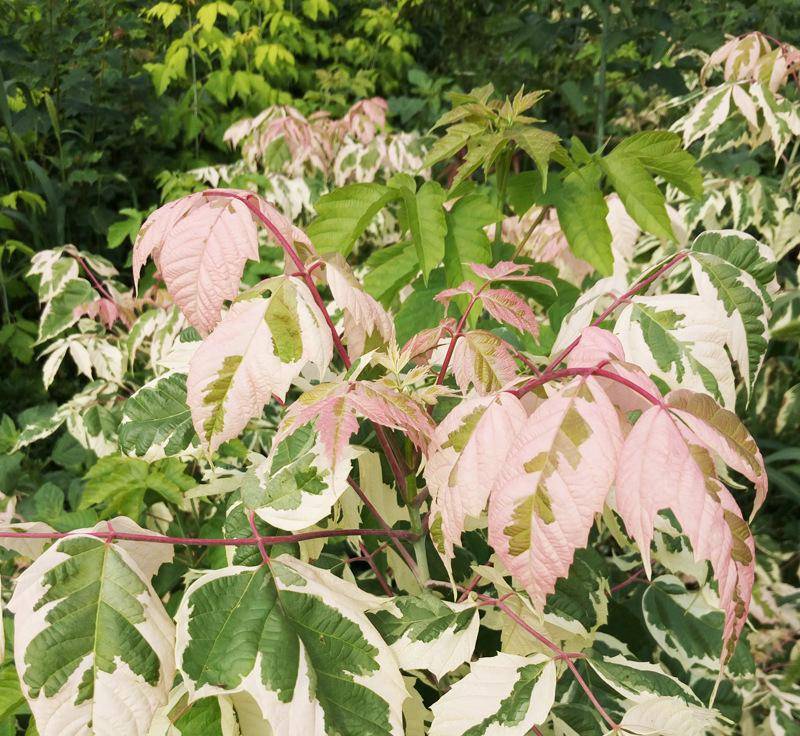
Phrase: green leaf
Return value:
(538, 144)
(582, 211)
(344, 214)
(452, 142)
(156, 421)
(466, 241)
(661, 153)
(419, 310)
(92, 636)
(390, 269)
(119, 483)
(643, 200)
(297, 640)
(424, 215)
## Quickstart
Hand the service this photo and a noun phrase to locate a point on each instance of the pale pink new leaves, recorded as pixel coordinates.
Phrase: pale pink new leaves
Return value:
(468, 452)
(665, 466)
(555, 478)
(200, 244)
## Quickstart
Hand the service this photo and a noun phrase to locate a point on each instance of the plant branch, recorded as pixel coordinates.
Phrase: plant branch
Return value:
(635, 289)
(401, 550)
(567, 657)
(596, 371)
(256, 540)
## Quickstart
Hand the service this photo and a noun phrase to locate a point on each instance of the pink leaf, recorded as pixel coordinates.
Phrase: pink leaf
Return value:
(334, 406)
(156, 228)
(555, 479)
(722, 433)
(483, 360)
(665, 466)
(389, 407)
(508, 271)
(200, 244)
(446, 295)
(506, 306)
(258, 349)
(596, 345)
(420, 347)
(468, 452)
(364, 317)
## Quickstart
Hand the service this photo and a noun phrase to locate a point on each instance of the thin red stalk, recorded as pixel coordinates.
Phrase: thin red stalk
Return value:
(378, 575)
(457, 334)
(394, 534)
(597, 371)
(257, 537)
(635, 289)
(401, 550)
(469, 588)
(565, 656)
(628, 581)
(97, 285)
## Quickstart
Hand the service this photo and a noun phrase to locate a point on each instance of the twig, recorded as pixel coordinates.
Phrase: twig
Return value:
(394, 534)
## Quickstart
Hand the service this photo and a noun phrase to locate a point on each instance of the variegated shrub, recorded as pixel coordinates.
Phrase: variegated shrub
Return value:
(441, 491)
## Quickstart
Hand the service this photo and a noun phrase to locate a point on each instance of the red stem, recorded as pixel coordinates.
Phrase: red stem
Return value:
(220, 541)
(596, 371)
(458, 333)
(401, 550)
(378, 575)
(635, 289)
(257, 537)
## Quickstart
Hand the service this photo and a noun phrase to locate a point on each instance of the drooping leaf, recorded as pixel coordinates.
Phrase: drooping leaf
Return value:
(466, 241)
(501, 694)
(582, 212)
(468, 452)
(733, 271)
(365, 320)
(664, 466)
(723, 434)
(297, 640)
(94, 644)
(156, 420)
(427, 633)
(258, 349)
(555, 479)
(425, 219)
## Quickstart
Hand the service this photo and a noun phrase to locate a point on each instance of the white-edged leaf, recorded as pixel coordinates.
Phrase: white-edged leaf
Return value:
(297, 640)
(93, 643)
(502, 694)
(427, 633)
